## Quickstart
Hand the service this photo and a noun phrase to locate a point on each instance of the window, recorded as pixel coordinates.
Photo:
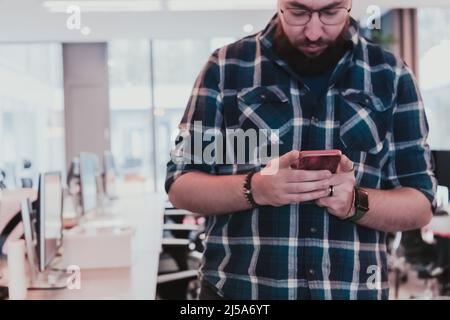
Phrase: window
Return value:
(31, 107)
(176, 64)
(130, 93)
(434, 72)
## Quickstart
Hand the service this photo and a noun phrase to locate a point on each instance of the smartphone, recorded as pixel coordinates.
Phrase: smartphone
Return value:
(318, 160)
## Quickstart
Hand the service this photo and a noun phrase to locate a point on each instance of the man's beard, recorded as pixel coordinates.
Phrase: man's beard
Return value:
(310, 66)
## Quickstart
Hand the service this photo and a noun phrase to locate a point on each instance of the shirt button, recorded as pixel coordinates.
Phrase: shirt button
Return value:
(314, 120)
(311, 272)
(313, 230)
(263, 96)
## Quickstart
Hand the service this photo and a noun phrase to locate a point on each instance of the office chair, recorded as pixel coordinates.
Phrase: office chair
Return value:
(174, 283)
(428, 256)
(409, 252)
(181, 256)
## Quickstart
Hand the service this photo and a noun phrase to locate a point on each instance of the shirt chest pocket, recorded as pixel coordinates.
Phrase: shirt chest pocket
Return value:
(266, 108)
(364, 119)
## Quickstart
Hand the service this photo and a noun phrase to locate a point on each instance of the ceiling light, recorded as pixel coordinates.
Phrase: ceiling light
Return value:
(208, 5)
(248, 28)
(104, 5)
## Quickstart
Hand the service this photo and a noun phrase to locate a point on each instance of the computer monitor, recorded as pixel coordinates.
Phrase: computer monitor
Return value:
(89, 172)
(109, 175)
(49, 219)
(442, 167)
(39, 278)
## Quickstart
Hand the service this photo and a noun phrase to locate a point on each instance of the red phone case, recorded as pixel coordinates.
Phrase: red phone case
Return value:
(319, 160)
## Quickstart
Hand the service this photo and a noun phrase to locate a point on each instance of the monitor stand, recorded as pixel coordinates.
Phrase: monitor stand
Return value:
(39, 280)
(49, 279)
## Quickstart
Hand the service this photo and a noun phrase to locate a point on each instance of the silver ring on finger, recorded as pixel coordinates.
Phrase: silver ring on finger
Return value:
(331, 188)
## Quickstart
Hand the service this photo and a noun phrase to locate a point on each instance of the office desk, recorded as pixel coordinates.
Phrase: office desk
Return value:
(145, 212)
(137, 282)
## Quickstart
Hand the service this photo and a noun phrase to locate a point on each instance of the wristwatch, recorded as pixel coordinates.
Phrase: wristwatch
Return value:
(361, 204)
(248, 193)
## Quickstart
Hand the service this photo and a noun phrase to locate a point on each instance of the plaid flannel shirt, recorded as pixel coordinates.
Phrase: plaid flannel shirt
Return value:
(372, 111)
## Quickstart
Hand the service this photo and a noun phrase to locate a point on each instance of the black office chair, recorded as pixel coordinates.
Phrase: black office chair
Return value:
(174, 283)
(443, 265)
(180, 257)
(430, 261)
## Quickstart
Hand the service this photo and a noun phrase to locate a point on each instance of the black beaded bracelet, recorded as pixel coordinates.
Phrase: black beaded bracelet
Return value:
(248, 189)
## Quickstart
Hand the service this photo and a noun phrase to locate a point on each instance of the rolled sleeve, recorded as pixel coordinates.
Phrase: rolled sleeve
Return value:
(410, 163)
(199, 127)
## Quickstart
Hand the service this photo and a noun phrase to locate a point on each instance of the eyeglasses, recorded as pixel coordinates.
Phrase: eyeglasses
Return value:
(301, 17)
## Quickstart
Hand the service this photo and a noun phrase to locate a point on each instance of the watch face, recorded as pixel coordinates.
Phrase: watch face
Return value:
(362, 199)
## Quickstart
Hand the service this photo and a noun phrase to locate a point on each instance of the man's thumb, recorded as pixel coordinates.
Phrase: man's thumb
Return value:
(288, 158)
(279, 163)
(346, 165)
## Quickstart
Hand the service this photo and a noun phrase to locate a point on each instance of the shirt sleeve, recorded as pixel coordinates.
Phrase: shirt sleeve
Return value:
(199, 127)
(410, 163)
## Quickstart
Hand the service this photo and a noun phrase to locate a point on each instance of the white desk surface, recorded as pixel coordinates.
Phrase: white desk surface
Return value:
(145, 212)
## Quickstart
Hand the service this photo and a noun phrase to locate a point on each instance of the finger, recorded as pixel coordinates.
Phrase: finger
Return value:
(306, 196)
(325, 202)
(287, 159)
(319, 203)
(345, 165)
(301, 187)
(347, 178)
(338, 178)
(283, 162)
(308, 175)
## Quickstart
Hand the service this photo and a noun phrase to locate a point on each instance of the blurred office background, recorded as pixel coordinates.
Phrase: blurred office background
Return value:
(134, 70)
(120, 80)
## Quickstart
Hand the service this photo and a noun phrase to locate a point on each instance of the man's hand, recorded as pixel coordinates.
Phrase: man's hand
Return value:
(285, 185)
(340, 204)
